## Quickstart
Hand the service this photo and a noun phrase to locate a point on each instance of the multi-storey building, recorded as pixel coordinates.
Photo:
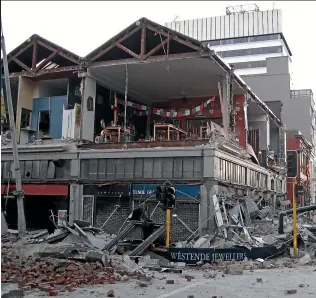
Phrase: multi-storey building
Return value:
(244, 38)
(253, 43)
(90, 155)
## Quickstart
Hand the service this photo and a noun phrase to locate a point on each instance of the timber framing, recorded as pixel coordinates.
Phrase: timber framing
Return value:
(38, 56)
(142, 40)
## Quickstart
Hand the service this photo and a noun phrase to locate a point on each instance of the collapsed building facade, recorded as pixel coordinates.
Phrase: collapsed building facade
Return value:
(98, 134)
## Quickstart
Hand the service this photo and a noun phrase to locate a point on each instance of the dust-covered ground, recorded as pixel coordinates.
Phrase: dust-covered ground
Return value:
(275, 283)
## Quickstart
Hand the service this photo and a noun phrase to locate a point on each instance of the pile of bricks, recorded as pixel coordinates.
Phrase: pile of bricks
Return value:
(53, 276)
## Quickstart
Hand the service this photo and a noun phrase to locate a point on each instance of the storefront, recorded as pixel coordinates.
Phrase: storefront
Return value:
(40, 202)
(185, 217)
(106, 206)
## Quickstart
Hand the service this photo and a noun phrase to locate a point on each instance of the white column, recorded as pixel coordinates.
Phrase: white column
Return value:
(89, 89)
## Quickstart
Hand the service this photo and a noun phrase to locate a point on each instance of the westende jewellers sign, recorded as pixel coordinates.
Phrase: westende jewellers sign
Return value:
(211, 255)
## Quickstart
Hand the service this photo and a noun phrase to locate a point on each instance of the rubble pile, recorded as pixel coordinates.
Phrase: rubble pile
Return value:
(240, 222)
(53, 275)
(246, 237)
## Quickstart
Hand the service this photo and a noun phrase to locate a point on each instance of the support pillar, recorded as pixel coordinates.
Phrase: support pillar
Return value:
(75, 202)
(88, 91)
(225, 105)
(207, 211)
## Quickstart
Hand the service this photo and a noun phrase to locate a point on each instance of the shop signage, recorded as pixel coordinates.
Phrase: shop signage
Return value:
(211, 255)
(114, 190)
(182, 190)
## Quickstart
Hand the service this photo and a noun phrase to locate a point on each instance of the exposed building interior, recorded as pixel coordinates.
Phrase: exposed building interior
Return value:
(148, 87)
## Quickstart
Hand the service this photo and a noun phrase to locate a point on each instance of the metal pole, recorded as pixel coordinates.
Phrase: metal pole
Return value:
(183, 223)
(18, 181)
(125, 103)
(168, 223)
(294, 224)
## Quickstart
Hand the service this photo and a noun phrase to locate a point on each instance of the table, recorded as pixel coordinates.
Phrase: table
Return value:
(169, 128)
(118, 131)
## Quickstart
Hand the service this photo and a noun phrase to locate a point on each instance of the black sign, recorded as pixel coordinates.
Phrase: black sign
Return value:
(114, 190)
(211, 255)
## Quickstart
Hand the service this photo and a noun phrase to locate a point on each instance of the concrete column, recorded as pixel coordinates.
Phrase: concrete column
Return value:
(75, 202)
(206, 218)
(89, 89)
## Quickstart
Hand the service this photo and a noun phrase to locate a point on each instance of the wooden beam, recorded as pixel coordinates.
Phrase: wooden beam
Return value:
(143, 42)
(148, 60)
(176, 38)
(57, 70)
(127, 35)
(10, 57)
(17, 74)
(126, 50)
(17, 61)
(60, 52)
(34, 57)
(157, 48)
(48, 59)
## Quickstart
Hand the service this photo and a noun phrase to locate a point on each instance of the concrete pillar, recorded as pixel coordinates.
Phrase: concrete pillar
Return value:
(88, 90)
(206, 219)
(75, 202)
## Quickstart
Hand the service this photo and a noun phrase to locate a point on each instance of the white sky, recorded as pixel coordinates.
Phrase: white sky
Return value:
(82, 26)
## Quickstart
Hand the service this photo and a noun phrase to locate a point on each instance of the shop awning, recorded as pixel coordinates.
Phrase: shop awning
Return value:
(39, 189)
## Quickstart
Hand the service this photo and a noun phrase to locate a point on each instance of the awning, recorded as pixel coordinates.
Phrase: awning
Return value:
(39, 189)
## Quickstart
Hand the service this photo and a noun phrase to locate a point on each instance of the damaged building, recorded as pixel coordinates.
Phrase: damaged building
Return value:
(98, 134)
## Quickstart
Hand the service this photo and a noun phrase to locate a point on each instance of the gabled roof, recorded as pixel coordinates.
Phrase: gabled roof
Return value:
(142, 39)
(38, 55)
(139, 41)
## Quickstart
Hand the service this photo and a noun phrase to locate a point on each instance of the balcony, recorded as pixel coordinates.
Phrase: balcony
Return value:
(303, 93)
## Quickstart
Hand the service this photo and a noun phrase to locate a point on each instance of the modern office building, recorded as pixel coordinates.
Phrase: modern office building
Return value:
(245, 37)
(252, 41)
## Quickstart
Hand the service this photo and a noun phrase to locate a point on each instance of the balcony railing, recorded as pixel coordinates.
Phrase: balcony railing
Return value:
(302, 93)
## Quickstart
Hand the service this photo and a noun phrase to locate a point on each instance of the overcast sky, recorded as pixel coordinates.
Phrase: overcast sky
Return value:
(82, 26)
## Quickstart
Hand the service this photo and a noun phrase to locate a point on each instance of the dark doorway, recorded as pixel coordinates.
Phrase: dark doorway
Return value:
(37, 211)
(44, 122)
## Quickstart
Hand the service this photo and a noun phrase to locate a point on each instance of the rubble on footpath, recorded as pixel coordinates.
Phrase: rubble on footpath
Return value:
(53, 275)
(79, 254)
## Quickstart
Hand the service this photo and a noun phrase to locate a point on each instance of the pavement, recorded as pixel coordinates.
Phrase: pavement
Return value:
(275, 283)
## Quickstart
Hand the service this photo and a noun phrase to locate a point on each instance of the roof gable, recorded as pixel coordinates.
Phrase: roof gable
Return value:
(143, 39)
(37, 56)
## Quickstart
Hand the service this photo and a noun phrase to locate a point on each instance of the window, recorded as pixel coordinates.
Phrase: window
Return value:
(254, 51)
(25, 118)
(252, 64)
(244, 39)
